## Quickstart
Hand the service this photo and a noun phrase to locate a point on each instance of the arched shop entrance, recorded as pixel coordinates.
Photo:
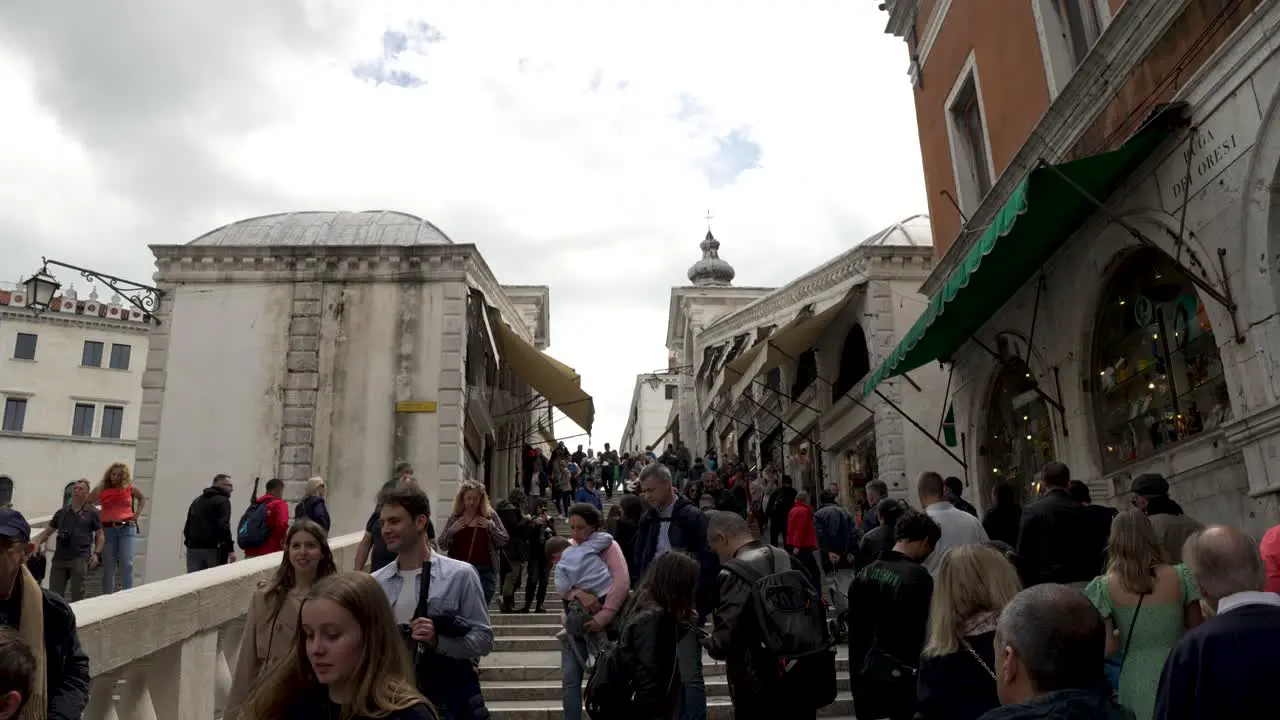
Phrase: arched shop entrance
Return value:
(1018, 435)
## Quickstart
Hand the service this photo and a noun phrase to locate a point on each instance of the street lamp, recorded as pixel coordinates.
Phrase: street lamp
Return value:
(41, 288)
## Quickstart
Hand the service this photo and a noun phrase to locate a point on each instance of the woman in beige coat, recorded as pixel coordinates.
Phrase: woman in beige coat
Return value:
(271, 626)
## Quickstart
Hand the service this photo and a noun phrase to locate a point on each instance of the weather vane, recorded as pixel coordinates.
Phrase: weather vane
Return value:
(710, 217)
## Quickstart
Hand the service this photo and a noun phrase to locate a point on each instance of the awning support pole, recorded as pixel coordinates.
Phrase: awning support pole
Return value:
(919, 427)
(942, 416)
(909, 419)
(1043, 395)
(1224, 299)
(817, 445)
(1035, 315)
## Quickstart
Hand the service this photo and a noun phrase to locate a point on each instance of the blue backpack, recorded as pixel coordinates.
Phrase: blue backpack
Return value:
(254, 529)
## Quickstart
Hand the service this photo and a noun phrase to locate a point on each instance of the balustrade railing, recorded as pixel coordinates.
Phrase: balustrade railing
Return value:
(167, 649)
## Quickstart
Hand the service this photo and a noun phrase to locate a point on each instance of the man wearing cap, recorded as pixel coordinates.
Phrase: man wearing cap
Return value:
(1172, 526)
(45, 622)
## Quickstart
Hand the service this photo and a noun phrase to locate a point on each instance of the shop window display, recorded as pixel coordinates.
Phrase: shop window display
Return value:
(1019, 434)
(1157, 373)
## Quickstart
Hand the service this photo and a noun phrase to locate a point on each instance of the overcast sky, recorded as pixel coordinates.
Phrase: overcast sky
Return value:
(579, 145)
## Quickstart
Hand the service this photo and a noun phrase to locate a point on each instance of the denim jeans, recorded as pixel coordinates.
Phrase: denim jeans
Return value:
(571, 672)
(692, 700)
(488, 581)
(117, 555)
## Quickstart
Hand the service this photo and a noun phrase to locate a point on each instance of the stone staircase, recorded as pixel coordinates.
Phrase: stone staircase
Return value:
(521, 677)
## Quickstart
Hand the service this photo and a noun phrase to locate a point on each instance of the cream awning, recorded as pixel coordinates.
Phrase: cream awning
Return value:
(553, 380)
(786, 343)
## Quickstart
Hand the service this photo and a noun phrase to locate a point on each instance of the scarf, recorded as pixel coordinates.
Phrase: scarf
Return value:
(31, 628)
(983, 622)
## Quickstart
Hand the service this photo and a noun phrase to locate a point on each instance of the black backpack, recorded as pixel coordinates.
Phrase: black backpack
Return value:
(254, 529)
(792, 650)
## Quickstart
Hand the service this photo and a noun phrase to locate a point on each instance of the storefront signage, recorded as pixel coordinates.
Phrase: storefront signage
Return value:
(1220, 140)
(419, 406)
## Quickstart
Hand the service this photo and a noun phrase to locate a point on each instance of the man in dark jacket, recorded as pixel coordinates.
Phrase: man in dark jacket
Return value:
(1049, 652)
(675, 523)
(877, 492)
(955, 495)
(780, 503)
(66, 691)
(734, 628)
(1173, 527)
(892, 596)
(1228, 666)
(1043, 556)
(515, 553)
(207, 533)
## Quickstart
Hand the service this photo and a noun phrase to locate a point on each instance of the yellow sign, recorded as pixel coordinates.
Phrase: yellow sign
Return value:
(422, 406)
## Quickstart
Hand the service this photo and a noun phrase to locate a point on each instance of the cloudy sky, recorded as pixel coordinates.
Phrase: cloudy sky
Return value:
(578, 144)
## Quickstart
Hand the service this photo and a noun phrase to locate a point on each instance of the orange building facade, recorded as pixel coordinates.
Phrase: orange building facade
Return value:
(1101, 183)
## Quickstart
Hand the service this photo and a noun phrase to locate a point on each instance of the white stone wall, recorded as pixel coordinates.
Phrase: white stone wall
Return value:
(1224, 475)
(651, 409)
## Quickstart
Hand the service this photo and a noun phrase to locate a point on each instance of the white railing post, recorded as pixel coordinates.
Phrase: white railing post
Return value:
(183, 678)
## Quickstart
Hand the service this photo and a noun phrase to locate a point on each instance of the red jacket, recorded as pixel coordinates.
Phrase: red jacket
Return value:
(278, 521)
(800, 530)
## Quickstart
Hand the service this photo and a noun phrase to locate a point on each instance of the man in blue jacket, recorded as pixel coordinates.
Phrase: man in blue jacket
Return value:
(673, 522)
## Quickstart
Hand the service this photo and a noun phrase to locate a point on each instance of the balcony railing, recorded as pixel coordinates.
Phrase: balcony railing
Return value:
(167, 649)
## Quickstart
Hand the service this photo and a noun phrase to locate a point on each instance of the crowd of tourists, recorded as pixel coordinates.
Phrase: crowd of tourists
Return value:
(1056, 609)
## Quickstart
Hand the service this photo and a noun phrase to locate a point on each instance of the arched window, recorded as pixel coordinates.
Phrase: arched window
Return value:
(855, 363)
(1019, 438)
(806, 372)
(1157, 373)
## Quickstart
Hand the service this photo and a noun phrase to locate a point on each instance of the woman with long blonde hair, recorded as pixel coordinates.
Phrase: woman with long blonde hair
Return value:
(272, 623)
(348, 661)
(121, 505)
(1147, 605)
(474, 534)
(956, 679)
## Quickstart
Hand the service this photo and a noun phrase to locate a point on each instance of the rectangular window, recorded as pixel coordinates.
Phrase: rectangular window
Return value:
(671, 392)
(92, 354)
(120, 356)
(969, 133)
(82, 420)
(112, 421)
(25, 347)
(15, 414)
(1080, 26)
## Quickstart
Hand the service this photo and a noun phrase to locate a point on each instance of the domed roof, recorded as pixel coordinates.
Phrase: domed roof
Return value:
(320, 229)
(711, 270)
(914, 231)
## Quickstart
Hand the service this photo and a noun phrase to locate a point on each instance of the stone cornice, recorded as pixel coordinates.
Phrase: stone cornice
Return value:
(866, 263)
(676, 307)
(67, 319)
(1134, 30)
(540, 295)
(179, 264)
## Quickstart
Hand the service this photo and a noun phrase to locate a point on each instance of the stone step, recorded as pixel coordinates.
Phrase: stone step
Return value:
(545, 665)
(547, 619)
(525, 643)
(717, 686)
(718, 708)
(539, 629)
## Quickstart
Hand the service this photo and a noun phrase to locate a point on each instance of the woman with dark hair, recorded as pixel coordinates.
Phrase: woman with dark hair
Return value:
(348, 661)
(660, 615)
(1002, 520)
(271, 625)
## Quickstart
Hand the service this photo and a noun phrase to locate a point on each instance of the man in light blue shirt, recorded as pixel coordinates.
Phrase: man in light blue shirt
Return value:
(454, 630)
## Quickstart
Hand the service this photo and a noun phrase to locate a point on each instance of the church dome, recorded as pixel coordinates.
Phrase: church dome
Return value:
(327, 229)
(711, 270)
(914, 231)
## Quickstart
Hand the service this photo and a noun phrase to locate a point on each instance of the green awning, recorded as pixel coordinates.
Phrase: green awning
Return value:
(1038, 218)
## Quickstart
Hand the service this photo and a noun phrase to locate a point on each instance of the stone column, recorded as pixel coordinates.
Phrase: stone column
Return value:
(301, 389)
(149, 415)
(450, 405)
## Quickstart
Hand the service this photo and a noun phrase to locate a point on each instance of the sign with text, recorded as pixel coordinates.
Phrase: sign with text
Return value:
(1220, 140)
(417, 406)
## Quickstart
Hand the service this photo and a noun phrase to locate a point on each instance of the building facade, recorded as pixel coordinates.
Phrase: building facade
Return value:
(652, 402)
(770, 380)
(1105, 293)
(71, 386)
(338, 344)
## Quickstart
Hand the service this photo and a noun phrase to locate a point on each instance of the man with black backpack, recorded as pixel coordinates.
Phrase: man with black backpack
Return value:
(780, 663)
(265, 523)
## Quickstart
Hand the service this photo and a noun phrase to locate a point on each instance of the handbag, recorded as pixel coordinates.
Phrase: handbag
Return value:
(609, 689)
(1113, 668)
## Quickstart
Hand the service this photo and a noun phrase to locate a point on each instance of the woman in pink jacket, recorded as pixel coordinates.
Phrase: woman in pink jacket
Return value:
(584, 520)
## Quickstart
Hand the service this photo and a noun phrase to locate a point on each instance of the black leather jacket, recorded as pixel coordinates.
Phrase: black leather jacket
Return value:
(733, 635)
(647, 651)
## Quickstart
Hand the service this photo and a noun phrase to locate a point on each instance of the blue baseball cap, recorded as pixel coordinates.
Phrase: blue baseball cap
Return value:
(13, 525)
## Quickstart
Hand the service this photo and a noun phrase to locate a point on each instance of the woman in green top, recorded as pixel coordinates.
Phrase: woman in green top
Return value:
(1147, 606)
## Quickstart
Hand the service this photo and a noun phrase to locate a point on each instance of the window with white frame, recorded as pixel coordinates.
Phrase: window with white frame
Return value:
(1068, 30)
(967, 132)
(15, 414)
(112, 421)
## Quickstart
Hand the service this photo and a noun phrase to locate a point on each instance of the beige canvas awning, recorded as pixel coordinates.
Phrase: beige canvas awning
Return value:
(786, 343)
(555, 381)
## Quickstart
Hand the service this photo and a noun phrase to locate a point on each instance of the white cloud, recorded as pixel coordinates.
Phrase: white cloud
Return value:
(578, 144)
